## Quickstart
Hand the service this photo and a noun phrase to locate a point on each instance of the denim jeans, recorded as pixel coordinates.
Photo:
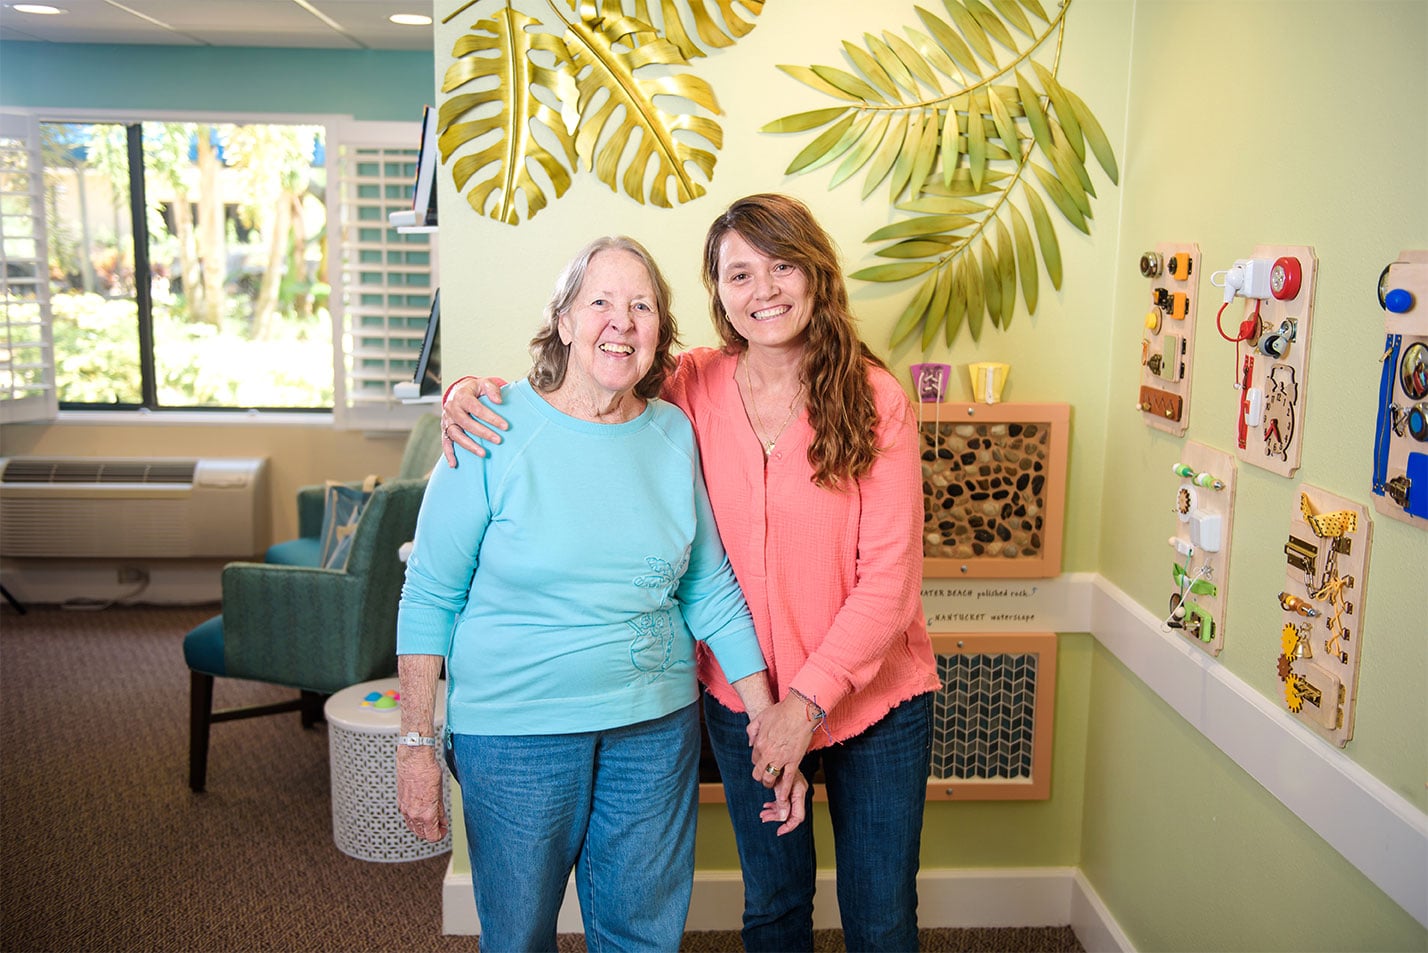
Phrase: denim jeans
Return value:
(616, 805)
(877, 786)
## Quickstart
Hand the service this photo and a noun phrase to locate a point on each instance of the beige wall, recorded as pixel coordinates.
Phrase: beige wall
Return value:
(301, 450)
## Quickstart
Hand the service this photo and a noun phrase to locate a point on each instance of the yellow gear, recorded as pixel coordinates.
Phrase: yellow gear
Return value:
(1292, 696)
(1288, 639)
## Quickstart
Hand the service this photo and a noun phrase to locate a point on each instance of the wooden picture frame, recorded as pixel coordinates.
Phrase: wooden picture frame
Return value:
(994, 489)
(994, 716)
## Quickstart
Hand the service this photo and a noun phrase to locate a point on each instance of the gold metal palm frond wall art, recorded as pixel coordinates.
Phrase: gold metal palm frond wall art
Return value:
(529, 98)
(955, 132)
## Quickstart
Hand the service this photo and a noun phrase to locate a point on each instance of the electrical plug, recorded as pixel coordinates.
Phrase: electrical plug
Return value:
(1232, 280)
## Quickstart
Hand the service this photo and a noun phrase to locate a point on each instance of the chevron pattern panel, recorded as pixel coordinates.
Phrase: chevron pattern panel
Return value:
(992, 719)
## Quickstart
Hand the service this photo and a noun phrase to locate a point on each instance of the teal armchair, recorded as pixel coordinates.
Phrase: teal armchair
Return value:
(423, 448)
(315, 630)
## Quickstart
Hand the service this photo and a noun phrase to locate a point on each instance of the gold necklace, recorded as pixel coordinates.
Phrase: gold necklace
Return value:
(762, 430)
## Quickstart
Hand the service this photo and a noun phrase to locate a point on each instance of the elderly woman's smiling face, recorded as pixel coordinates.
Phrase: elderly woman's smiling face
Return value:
(612, 328)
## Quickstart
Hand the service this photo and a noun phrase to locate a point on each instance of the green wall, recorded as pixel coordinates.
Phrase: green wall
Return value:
(1190, 853)
(1275, 122)
(1344, 172)
(366, 84)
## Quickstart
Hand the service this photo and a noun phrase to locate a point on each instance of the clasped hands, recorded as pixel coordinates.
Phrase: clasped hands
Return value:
(779, 736)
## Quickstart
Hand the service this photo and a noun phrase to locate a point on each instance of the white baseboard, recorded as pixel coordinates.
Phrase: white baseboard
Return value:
(458, 904)
(1371, 825)
(1015, 897)
(1092, 922)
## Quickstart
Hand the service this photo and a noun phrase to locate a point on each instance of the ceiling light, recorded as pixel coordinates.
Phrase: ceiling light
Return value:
(44, 9)
(410, 19)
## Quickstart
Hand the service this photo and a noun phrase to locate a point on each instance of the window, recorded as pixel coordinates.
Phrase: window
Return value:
(388, 277)
(26, 359)
(214, 264)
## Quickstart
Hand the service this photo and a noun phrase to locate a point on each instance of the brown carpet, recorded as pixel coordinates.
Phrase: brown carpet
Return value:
(106, 849)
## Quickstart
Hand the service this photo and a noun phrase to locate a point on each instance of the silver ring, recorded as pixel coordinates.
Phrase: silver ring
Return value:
(770, 769)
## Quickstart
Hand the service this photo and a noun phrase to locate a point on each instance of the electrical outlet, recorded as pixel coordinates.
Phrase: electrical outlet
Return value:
(130, 575)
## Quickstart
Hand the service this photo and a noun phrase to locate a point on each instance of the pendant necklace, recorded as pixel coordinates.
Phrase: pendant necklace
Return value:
(762, 430)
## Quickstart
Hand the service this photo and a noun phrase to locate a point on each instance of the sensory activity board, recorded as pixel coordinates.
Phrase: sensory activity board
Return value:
(1200, 567)
(1400, 464)
(1326, 575)
(1271, 339)
(1167, 345)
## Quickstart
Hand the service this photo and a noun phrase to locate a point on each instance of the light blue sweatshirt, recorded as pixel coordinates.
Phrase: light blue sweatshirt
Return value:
(566, 576)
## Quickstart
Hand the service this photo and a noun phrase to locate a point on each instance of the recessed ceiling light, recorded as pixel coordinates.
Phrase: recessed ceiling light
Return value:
(44, 9)
(410, 19)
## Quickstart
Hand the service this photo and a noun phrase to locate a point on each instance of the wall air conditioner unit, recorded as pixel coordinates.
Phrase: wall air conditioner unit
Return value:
(127, 508)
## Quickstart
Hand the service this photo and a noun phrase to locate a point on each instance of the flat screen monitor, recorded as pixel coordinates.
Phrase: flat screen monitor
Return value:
(426, 379)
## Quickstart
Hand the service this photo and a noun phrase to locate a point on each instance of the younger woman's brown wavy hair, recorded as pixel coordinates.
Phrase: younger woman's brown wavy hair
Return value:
(840, 402)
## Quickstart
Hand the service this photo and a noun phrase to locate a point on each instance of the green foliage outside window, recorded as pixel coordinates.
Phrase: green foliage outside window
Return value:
(235, 222)
(199, 365)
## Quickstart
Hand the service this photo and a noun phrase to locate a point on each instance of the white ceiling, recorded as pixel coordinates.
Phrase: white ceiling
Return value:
(328, 24)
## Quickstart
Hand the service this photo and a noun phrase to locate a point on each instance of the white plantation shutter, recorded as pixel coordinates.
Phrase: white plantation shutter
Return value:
(383, 280)
(27, 372)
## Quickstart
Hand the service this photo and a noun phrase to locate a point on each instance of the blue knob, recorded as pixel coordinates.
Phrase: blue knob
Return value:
(1398, 300)
(1418, 422)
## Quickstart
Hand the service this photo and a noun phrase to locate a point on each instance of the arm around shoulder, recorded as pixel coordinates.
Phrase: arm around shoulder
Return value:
(465, 420)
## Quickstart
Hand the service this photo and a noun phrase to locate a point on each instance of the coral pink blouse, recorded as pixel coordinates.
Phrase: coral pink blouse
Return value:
(833, 577)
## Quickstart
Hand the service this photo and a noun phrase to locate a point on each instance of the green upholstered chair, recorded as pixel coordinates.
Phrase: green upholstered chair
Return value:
(423, 448)
(316, 630)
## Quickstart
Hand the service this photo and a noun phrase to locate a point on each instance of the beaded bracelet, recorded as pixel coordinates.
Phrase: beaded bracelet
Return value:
(811, 708)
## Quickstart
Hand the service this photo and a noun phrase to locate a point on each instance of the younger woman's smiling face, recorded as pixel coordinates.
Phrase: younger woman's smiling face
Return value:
(767, 299)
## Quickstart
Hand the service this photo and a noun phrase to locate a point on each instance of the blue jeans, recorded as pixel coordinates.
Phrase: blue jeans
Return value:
(877, 786)
(616, 805)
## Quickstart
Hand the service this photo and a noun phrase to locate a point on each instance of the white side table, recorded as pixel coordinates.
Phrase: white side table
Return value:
(362, 753)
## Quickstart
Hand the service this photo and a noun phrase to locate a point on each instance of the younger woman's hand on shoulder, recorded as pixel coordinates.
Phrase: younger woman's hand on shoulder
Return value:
(465, 420)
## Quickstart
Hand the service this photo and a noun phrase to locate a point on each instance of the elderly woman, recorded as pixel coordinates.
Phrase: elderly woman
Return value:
(811, 461)
(564, 586)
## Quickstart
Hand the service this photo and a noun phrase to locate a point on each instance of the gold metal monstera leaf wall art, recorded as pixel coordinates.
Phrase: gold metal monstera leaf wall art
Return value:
(959, 133)
(579, 91)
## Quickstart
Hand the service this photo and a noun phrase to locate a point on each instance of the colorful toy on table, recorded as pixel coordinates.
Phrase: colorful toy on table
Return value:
(382, 700)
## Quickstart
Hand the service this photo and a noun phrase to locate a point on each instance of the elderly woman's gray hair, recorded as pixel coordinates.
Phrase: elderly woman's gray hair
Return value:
(550, 355)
